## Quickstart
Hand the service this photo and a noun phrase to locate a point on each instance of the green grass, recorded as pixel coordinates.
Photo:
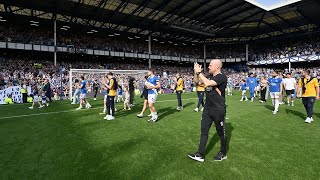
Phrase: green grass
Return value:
(81, 145)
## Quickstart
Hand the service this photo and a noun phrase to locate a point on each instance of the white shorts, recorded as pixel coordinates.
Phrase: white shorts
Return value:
(35, 98)
(127, 99)
(274, 95)
(120, 96)
(152, 98)
(83, 96)
(244, 92)
(44, 101)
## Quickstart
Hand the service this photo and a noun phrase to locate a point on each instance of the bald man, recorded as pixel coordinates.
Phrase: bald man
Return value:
(214, 108)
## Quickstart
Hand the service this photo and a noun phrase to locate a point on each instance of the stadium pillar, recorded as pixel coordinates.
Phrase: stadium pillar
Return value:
(204, 58)
(149, 44)
(247, 52)
(289, 65)
(55, 41)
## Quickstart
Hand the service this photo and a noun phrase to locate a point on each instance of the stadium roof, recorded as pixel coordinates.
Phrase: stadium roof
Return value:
(183, 20)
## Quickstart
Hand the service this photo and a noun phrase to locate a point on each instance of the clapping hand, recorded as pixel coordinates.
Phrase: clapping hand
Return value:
(197, 68)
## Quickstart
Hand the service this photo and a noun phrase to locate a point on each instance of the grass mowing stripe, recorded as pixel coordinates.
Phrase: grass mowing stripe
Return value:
(57, 112)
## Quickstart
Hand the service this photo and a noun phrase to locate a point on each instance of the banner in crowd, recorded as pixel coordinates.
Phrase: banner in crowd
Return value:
(15, 91)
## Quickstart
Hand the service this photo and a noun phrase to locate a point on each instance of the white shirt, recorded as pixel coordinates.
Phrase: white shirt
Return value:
(289, 83)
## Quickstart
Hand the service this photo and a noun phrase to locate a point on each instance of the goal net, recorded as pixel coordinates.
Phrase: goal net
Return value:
(122, 76)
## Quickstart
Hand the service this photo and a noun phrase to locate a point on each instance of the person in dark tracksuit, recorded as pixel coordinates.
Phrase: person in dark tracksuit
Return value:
(214, 109)
(95, 86)
(47, 89)
(200, 92)
(145, 102)
(310, 92)
(131, 90)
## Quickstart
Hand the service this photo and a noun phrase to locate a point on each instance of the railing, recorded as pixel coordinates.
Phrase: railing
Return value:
(302, 58)
(99, 52)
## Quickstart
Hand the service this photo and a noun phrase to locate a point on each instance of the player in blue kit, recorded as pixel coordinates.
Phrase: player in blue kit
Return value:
(243, 90)
(275, 88)
(152, 85)
(252, 84)
(44, 99)
(83, 92)
(119, 94)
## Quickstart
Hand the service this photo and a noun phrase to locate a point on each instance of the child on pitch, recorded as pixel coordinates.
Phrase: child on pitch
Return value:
(44, 99)
(119, 96)
(244, 90)
(36, 98)
(126, 104)
(105, 94)
(252, 84)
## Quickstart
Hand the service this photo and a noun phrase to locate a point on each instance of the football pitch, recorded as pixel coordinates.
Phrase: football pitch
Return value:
(58, 142)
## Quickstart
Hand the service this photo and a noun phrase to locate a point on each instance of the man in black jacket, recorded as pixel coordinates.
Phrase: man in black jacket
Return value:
(47, 89)
(131, 90)
(214, 109)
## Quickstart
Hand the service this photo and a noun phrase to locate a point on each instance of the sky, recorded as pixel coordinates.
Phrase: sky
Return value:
(271, 4)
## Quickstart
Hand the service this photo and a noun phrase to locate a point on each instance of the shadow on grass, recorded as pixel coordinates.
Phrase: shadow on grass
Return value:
(170, 110)
(269, 107)
(188, 104)
(166, 112)
(296, 113)
(317, 114)
(215, 138)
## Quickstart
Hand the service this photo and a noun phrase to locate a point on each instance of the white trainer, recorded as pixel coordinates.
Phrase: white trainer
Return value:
(308, 120)
(106, 117)
(110, 118)
(140, 115)
(196, 109)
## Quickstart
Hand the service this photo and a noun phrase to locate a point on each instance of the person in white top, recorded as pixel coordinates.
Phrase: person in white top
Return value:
(290, 86)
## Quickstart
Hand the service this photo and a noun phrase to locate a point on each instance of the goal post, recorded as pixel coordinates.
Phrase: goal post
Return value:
(99, 74)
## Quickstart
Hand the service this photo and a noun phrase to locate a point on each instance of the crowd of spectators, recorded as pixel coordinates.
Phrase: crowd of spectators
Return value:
(26, 71)
(19, 71)
(263, 51)
(284, 49)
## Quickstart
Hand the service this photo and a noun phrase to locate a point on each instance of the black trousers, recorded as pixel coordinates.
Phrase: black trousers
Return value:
(24, 97)
(208, 117)
(263, 94)
(48, 94)
(95, 92)
(308, 103)
(179, 93)
(110, 105)
(131, 92)
(200, 98)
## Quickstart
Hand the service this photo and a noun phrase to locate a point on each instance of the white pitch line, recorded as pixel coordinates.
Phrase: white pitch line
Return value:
(57, 112)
